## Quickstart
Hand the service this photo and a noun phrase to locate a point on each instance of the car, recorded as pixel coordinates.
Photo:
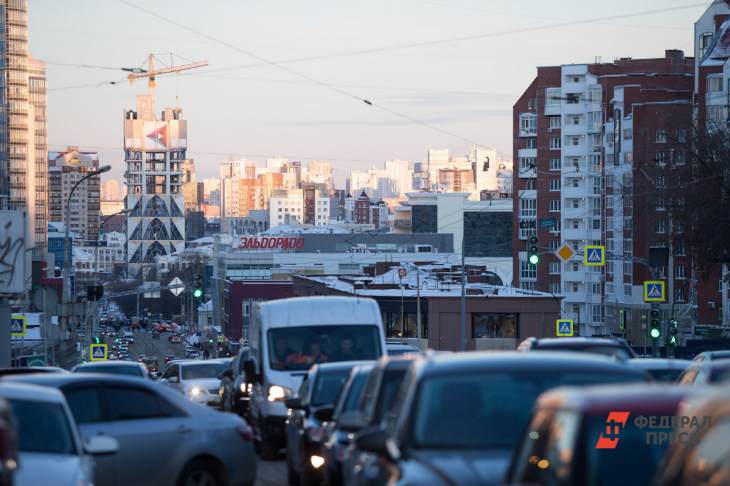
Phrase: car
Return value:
(712, 355)
(128, 368)
(615, 347)
(706, 372)
(457, 417)
(8, 444)
(151, 363)
(377, 400)
(288, 336)
(50, 448)
(234, 390)
(661, 369)
(703, 457)
(31, 369)
(308, 411)
(567, 435)
(337, 436)
(198, 380)
(394, 348)
(164, 439)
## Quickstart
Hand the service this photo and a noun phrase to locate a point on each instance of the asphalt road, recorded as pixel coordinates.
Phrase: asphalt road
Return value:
(269, 473)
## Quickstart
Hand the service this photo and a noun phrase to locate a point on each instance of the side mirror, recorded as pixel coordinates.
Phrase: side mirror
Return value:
(351, 421)
(101, 445)
(173, 379)
(249, 369)
(294, 403)
(377, 441)
(324, 414)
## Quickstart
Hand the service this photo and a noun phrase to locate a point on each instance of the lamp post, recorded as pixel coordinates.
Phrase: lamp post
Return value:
(67, 261)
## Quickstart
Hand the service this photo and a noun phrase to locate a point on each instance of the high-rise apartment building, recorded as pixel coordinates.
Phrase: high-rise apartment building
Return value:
(65, 169)
(562, 146)
(288, 206)
(190, 186)
(436, 160)
(38, 150)
(155, 151)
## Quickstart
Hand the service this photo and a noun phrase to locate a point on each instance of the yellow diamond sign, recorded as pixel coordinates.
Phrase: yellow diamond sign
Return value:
(564, 253)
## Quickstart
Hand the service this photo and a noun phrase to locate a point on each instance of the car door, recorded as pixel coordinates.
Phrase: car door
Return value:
(91, 418)
(152, 434)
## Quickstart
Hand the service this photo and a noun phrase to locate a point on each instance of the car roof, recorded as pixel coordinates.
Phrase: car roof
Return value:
(57, 380)
(652, 398)
(337, 366)
(659, 363)
(25, 391)
(715, 364)
(109, 362)
(31, 369)
(201, 361)
(576, 341)
(719, 353)
(480, 360)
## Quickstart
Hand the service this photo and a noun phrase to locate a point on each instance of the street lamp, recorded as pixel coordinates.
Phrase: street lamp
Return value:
(67, 261)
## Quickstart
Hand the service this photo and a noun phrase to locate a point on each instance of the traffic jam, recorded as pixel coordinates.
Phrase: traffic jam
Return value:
(318, 387)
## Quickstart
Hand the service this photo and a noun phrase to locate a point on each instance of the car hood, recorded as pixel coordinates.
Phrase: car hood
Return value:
(204, 383)
(461, 467)
(57, 469)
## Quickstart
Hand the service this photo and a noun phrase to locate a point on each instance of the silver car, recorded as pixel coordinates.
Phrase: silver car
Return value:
(51, 451)
(164, 438)
(198, 380)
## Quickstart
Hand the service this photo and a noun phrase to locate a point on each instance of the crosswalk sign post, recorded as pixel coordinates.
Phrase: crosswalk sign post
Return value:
(564, 327)
(594, 255)
(18, 325)
(654, 291)
(97, 352)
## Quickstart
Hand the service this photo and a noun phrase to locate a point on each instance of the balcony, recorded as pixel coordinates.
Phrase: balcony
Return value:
(572, 234)
(571, 192)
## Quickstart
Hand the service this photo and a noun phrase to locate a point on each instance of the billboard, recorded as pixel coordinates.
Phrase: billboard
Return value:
(14, 257)
(271, 243)
(155, 135)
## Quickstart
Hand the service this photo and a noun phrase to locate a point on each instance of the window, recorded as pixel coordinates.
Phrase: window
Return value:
(528, 208)
(705, 42)
(660, 158)
(554, 268)
(627, 290)
(628, 157)
(659, 181)
(679, 249)
(575, 203)
(660, 204)
(555, 184)
(680, 293)
(660, 226)
(527, 163)
(554, 121)
(555, 288)
(714, 84)
(85, 405)
(574, 141)
(555, 143)
(680, 271)
(555, 163)
(529, 185)
(527, 285)
(528, 124)
(596, 288)
(554, 205)
(717, 113)
(530, 143)
(681, 135)
(661, 135)
(527, 270)
(126, 403)
(572, 99)
(487, 325)
(596, 312)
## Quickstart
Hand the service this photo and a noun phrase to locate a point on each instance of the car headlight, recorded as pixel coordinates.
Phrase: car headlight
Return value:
(278, 393)
(316, 461)
(195, 391)
(244, 387)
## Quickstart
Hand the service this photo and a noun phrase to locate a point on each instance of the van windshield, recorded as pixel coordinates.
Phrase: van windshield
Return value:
(298, 348)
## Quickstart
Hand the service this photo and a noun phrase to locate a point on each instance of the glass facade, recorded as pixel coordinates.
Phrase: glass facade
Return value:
(424, 218)
(488, 234)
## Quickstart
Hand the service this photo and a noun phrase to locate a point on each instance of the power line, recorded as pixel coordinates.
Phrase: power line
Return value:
(302, 75)
(94, 85)
(453, 40)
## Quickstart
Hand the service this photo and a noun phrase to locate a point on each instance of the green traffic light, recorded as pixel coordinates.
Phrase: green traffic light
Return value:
(655, 333)
(534, 259)
(197, 293)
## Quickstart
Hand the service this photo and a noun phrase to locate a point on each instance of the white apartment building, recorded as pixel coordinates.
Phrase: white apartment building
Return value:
(286, 206)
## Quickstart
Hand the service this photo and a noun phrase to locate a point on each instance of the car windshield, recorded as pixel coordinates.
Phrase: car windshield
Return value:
(203, 370)
(488, 409)
(327, 387)
(354, 392)
(392, 378)
(111, 370)
(42, 427)
(298, 348)
(664, 375)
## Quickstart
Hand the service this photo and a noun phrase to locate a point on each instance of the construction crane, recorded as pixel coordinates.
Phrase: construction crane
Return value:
(151, 73)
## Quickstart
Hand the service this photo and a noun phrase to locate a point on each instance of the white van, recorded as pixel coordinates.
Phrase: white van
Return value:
(287, 337)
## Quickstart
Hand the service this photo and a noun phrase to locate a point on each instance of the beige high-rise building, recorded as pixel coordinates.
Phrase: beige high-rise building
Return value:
(38, 156)
(190, 186)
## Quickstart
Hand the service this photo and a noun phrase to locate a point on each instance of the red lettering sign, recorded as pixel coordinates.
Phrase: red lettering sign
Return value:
(265, 242)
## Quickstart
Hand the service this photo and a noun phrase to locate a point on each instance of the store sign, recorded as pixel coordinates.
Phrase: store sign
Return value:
(271, 243)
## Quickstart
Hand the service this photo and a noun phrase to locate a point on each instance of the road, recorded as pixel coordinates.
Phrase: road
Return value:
(269, 473)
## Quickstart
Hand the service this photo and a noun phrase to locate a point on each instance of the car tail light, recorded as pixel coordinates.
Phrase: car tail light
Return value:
(245, 432)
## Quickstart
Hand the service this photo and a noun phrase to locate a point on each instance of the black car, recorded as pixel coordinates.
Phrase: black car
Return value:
(377, 400)
(234, 391)
(459, 416)
(337, 436)
(615, 347)
(307, 412)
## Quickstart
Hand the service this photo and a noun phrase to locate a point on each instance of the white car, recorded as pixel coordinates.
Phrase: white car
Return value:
(196, 379)
(50, 449)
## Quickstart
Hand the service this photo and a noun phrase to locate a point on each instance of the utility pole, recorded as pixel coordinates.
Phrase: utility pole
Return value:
(418, 303)
(462, 324)
(670, 290)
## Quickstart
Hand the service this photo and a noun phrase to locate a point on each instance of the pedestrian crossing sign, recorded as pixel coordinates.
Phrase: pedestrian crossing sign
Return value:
(18, 325)
(564, 327)
(594, 255)
(97, 352)
(654, 291)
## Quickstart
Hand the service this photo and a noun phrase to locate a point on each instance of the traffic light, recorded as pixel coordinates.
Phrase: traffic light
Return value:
(97, 340)
(533, 253)
(673, 332)
(198, 288)
(655, 327)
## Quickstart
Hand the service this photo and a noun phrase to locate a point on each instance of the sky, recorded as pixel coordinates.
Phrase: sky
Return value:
(248, 104)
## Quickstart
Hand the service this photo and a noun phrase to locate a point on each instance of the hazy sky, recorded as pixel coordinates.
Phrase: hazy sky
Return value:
(465, 88)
